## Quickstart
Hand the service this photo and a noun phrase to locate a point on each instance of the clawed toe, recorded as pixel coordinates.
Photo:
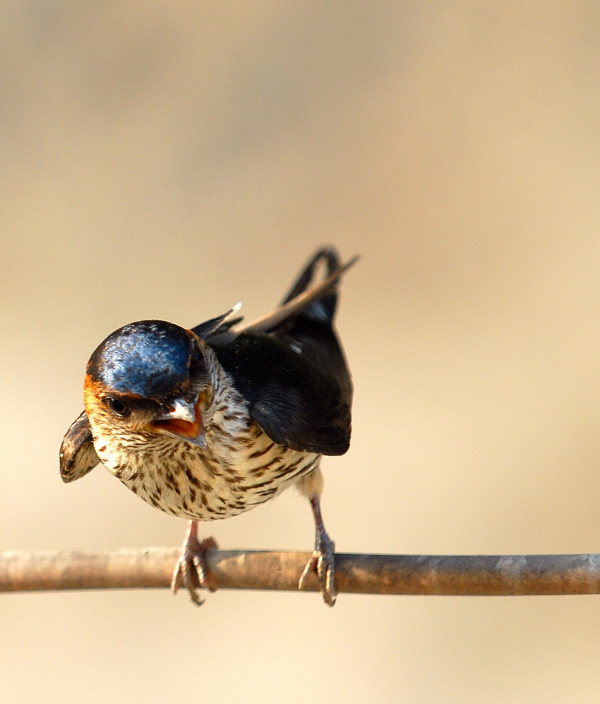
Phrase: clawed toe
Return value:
(322, 563)
(191, 570)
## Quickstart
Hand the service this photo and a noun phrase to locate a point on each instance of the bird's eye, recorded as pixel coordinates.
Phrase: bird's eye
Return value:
(117, 406)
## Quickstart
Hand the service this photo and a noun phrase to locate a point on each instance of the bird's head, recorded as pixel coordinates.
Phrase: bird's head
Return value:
(148, 377)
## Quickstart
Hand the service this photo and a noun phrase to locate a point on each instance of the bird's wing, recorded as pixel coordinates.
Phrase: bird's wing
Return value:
(290, 367)
(77, 453)
(219, 327)
(296, 403)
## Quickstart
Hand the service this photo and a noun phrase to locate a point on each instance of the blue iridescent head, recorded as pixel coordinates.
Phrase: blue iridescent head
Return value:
(151, 359)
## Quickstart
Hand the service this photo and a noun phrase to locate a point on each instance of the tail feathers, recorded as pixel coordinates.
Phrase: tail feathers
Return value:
(322, 307)
(308, 300)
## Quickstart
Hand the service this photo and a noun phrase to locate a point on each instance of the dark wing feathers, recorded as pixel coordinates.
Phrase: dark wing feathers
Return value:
(291, 369)
(293, 401)
(219, 327)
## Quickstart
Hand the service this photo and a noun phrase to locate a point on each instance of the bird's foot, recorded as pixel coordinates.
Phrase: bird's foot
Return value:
(192, 570)
(322, 563)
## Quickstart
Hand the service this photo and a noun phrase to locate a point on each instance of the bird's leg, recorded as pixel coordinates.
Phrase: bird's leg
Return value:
(191, 570)
(322, 560)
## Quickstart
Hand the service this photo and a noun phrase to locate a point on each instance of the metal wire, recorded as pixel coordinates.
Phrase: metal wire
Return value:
(477, 575)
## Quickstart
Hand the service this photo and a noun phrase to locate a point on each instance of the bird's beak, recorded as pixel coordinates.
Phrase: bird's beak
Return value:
(184, 421)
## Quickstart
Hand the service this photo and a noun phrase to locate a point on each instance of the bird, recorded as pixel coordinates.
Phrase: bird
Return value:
(208, 422)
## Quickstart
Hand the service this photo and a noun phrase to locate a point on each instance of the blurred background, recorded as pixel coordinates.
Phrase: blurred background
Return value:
(167, 159)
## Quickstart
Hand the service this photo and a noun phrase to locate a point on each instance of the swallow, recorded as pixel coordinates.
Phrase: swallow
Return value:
(208, 422)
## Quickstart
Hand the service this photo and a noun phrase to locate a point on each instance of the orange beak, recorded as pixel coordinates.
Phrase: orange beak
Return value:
(184, 421)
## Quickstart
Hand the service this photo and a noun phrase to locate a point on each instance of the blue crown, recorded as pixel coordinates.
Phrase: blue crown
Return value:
(150, 358)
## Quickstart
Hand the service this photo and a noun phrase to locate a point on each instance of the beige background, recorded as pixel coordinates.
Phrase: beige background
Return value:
(169, 159)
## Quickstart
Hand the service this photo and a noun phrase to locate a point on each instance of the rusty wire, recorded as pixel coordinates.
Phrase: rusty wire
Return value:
(475, 575)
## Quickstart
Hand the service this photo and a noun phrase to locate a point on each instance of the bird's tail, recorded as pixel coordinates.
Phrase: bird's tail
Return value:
(308, 299)
(318, 299)
(325, 304)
